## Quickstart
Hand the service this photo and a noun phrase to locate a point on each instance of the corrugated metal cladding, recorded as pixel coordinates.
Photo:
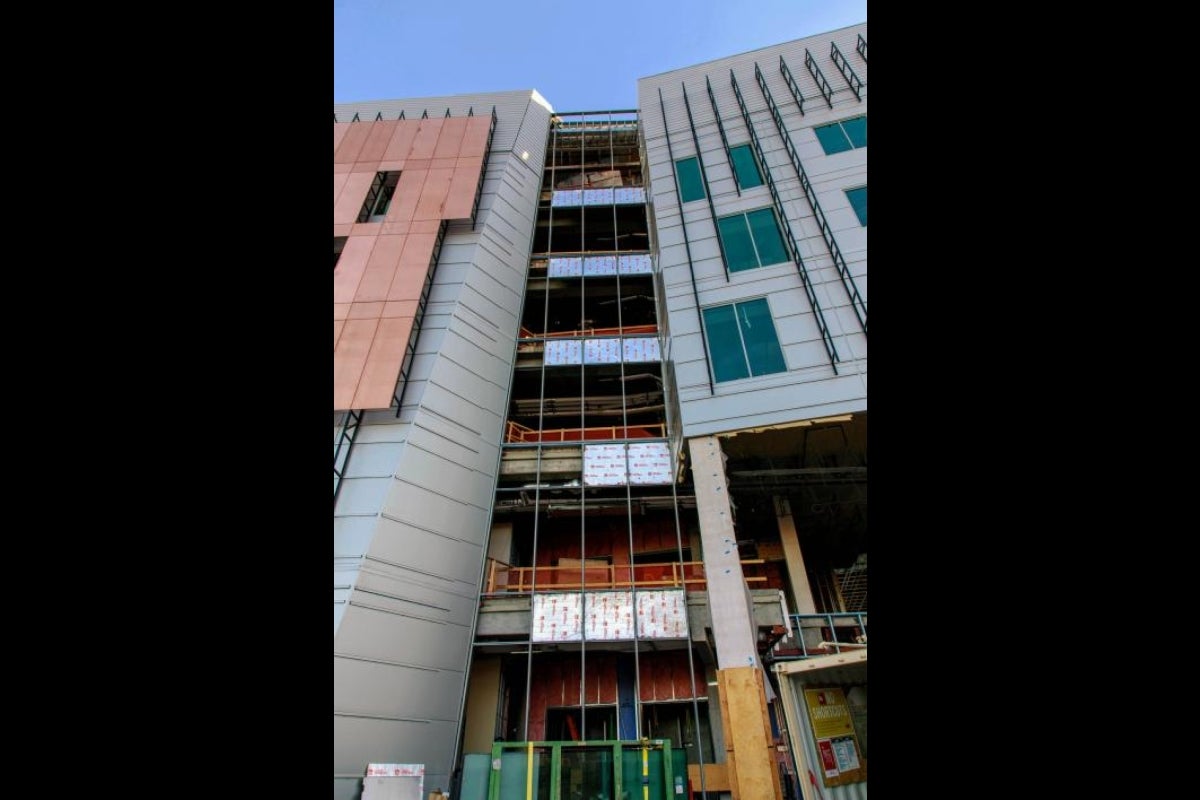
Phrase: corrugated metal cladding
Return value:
(411, 519)
(809, 388)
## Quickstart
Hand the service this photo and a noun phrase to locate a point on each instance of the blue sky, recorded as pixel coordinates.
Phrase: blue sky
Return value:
(582, 55)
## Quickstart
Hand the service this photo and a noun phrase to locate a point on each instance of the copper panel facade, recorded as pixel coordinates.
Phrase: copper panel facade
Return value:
(433, 194)
(352, 142)
(349, 358)
(426, 141)
(451, 138)
(378, 381)
(408, 194)
(380, 269)
(384, 265)
(354, 192)
(460, 200)
(409, 276)
(350, 268)
(339, 180)
(338, 324)
(401, 141)
(366, 310)
(425, 226)
(399, 308)
(476, 137)
(377, 141)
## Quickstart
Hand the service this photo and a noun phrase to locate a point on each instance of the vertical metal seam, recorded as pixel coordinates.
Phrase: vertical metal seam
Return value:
(823, 329)
(721, 129)
(848, 283)
(686, 245)
(712, 209)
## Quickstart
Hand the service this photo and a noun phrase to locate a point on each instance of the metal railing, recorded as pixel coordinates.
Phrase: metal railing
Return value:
(502, 578)
(847, 71)
(839, 632)
(516, 432)
(856, 301)
(819, 77)
(793, 249)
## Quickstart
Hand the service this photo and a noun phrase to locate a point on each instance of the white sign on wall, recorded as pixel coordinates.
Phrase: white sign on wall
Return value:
(662, 614)
(556, 618)
(604, 465)
(609, 616)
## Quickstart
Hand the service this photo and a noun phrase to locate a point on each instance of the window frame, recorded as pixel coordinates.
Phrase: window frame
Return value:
(746, 361)
(379, 196)
(758, 168)
(841, 128)
(699, 179)
(754, 243)
(862, 218)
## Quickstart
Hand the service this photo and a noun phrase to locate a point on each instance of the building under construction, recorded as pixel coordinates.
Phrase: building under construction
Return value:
(600, 438)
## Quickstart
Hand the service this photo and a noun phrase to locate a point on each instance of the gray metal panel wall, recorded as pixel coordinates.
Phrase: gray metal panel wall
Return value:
(411, 521)
(809, 388)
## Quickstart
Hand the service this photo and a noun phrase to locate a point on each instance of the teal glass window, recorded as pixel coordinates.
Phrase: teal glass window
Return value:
(742, 341)
(691, 182)
(745, 168)
(739, 247)
(846, 134)
(858, 199)
(751, 240)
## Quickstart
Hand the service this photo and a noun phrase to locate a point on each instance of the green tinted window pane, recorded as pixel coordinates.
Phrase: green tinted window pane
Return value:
(735, 237)
(743, 164)
(858, 199)
(832, 139)
(691, 185)
(856, 130)
(762, 346)
(766, 237)
(724, 344)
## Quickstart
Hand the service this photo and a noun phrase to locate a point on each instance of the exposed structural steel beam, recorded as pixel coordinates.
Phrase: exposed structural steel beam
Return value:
(724, 141)
(487, 151)
(826, 337)
(818, 76)
(341, 446)
(847, 71)
(410, 348)
(856, 301)
(861, 47)
(686, 246)
(712, 210)
(791, 84)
